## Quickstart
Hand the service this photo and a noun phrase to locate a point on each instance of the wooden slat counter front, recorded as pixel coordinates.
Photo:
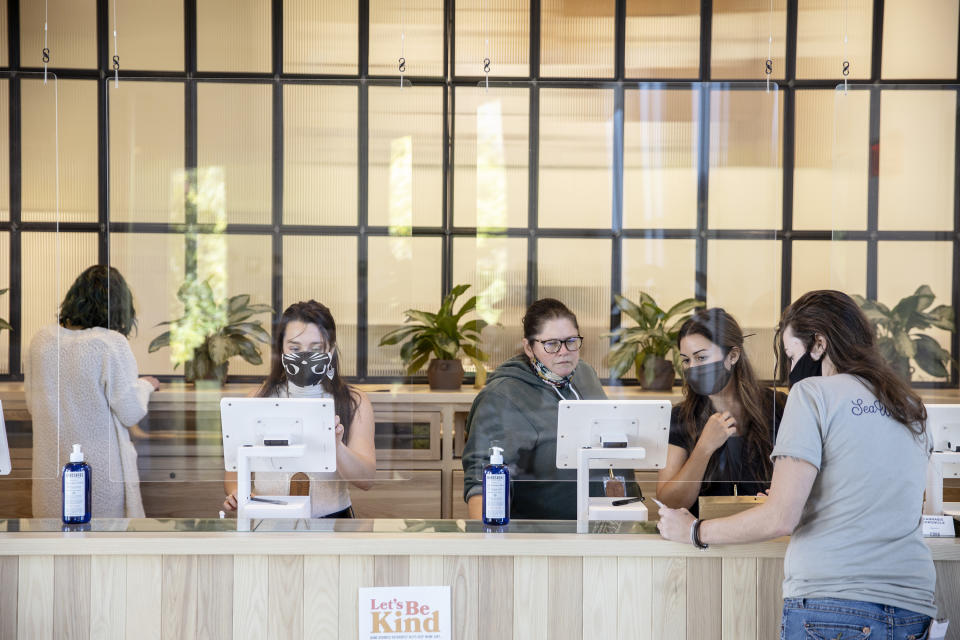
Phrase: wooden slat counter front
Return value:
(167, 579)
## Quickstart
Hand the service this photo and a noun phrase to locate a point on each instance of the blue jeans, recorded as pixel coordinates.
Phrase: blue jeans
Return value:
(832, 618)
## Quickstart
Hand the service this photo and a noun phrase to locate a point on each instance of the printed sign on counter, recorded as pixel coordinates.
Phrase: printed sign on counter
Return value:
(404, 613)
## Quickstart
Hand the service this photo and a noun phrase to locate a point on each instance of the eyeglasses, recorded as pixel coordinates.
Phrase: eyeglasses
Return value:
(553, 346)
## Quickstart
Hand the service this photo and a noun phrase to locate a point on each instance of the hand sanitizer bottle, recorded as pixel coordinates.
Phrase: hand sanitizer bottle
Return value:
(76, 489)
(496, 490)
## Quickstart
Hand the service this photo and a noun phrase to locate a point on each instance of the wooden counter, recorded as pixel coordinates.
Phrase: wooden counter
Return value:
(167, 584)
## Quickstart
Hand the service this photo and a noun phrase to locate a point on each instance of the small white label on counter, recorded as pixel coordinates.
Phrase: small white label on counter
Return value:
(938, 527)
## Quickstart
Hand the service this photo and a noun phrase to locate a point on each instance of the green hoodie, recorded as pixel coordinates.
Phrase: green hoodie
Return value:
(519, 410)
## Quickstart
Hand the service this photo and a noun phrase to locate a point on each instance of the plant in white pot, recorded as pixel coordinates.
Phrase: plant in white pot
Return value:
(443, 338)
(647, 345)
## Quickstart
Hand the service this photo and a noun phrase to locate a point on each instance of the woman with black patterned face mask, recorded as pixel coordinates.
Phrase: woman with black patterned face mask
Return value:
(305, 364)
(723, 431)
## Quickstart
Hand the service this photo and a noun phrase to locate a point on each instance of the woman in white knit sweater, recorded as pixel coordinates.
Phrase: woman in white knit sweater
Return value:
(82, 386)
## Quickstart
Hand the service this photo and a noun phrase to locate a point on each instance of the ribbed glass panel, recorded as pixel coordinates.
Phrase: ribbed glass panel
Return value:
(5, 300)
(319, 155)
(577, 38)
(730, 265)
(917, 160)
(496, 269)
(3, 30)
(741, 39)
(825, 264)
(242, 163)
(820, 35)
(660, 158)
(319, 37)
(919, 39)
(404, 273)
(491, 154)
(42, 287)
(421, 23)
(406, 156)
(576, 156)
(152, 265)
(746, 139)
(146, 152)
(325, 269)
(665, 269)
(832, 160)
(5, 151)
(494, 29)
(576, 271)
(904, 266)
(662, 39)
(234, 35)
(149, 34)
(77, 148)
(71, 33)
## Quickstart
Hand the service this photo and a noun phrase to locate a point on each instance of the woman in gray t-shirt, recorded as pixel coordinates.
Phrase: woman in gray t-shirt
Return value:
(849, 472)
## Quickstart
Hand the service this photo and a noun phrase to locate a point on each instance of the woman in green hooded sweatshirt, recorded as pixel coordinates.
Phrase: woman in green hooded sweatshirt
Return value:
(517, 410)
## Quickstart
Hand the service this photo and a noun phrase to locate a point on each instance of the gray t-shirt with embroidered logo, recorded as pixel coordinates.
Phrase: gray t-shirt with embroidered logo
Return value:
(859, 537)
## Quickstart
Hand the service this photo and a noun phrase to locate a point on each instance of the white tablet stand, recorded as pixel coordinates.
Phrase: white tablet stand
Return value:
(601, 434)
(276, 435)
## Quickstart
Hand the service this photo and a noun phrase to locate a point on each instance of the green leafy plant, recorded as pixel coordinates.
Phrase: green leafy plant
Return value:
(440, 334)
(652, 340)
(212, 331)
(4, 325)
(898, 336)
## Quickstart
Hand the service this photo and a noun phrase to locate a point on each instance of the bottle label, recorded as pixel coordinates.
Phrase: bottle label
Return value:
(496, 498)
(74, 494)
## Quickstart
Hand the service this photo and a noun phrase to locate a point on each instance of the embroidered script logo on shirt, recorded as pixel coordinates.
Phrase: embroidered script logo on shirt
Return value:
(859, 408)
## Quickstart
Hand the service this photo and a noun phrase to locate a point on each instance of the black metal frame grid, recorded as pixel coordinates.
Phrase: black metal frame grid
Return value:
(447, 231)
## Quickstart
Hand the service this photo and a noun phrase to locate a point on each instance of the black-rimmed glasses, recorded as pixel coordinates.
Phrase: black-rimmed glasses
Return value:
(553, 346)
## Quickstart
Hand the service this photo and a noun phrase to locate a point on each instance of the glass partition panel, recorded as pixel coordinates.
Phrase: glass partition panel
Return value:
(919, 39)
(490, 157)
(233, 36)
(577, 38)
(320, 154)
(319, 37)
(71, 33)
(498, 30)
(71, 132)
(662, 39)
(149, 34)
(576, 158)
(412, 30)
(147, 151)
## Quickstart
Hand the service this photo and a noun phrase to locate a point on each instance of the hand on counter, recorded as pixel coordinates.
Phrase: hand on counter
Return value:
(675, 524)
(153, 381)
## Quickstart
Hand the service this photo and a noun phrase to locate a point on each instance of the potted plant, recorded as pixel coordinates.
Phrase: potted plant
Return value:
(442, 336)
(898, 336)
(646, 346)
(210, 332)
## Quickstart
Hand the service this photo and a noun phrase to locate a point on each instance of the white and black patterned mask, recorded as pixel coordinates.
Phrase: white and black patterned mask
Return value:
(308, 368)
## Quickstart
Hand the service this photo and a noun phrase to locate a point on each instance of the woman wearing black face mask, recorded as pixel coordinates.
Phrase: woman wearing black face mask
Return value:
(305, 364)
(722, 433)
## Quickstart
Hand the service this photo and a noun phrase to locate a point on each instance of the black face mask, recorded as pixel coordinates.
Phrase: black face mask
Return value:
(307, 368)
(708, 379)
(806, 367)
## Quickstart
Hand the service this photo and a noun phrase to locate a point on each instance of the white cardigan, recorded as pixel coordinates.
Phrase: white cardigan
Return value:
(95, 387)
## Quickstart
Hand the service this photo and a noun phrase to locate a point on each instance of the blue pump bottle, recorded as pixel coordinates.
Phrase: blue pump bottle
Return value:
(496, 490)
(76, 485)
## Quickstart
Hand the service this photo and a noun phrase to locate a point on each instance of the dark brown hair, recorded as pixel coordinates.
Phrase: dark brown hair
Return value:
(852, 349)
(541, 311)
(345, 400)
(99, 297)
(758, 403)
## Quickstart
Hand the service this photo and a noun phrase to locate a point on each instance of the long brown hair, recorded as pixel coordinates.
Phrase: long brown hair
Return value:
(758, 403)
(852, 348)
(345, 400)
